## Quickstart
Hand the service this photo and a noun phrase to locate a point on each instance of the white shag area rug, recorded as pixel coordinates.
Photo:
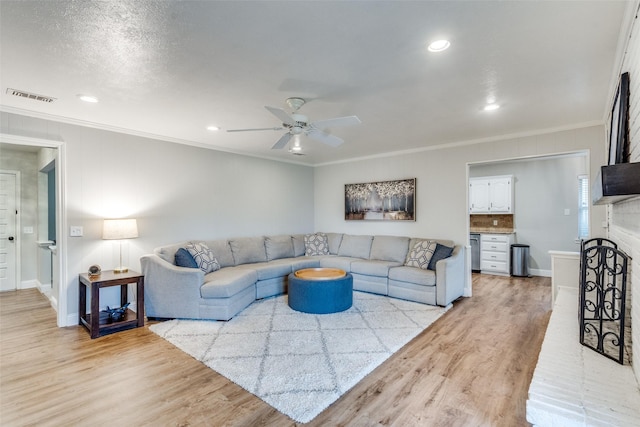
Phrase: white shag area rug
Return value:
(296, 362)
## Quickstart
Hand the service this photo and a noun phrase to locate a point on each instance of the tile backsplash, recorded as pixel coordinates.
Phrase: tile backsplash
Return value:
(493, 222)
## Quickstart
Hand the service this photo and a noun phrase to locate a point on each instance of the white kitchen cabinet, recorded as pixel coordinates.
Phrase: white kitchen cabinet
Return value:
(478, 195)
(491, 195)
(495, 253)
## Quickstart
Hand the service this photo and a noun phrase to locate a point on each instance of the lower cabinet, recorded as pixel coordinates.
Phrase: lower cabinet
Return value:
(495, 253)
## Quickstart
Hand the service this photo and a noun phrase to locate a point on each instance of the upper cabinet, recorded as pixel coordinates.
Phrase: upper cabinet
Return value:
(491, 194)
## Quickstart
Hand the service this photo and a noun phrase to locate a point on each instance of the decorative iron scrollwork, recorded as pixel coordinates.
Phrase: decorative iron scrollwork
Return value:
(603, 283)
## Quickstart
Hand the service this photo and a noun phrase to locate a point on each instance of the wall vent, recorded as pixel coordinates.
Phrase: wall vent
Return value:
(29, 95)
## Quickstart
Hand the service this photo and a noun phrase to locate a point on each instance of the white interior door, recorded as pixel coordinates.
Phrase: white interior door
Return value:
(8, 216)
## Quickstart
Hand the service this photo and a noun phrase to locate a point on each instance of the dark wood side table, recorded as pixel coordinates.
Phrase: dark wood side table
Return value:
(98, 323)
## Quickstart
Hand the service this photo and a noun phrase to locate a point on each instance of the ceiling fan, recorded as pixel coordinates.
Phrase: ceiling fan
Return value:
(298, 124)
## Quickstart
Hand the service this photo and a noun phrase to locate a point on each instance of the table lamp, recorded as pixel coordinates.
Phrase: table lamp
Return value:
(120, 229)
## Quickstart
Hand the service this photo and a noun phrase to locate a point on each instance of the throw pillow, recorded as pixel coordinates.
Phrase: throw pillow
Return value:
(441, 252)
(421, 254)
(316, 244)
(184, 259)
(204, 257)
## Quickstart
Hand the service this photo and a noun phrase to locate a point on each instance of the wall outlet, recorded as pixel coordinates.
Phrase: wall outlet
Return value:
(75, 231)
(567, 212)
(495, 222)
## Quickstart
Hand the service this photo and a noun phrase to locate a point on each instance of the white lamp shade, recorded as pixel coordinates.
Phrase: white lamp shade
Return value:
(117, 229)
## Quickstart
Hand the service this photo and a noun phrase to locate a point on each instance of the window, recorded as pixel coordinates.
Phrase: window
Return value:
(583, 207)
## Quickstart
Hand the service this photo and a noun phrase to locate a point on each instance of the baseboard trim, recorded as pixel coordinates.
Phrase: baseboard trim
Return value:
(539, 272)
(29, 284)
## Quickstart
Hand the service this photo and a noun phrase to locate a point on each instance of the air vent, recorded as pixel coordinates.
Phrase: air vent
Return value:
(29, 95)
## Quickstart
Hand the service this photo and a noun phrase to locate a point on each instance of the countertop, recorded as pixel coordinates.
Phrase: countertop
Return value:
(489, 230)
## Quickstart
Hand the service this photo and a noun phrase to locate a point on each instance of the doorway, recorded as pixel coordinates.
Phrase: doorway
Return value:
(37, 216)
(546, 205)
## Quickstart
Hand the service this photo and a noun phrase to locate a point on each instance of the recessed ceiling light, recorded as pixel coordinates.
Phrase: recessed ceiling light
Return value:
(213, 128)
(439, 46)
(491, 107)
(88, 98)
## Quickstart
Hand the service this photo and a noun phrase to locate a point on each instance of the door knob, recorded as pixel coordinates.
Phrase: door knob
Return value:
(11, 238)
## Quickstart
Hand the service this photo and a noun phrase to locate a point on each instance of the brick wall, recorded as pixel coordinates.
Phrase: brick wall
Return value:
(624, 217)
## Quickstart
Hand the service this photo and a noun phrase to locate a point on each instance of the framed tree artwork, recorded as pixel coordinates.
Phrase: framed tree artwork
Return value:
(619, 132)
(381, 201)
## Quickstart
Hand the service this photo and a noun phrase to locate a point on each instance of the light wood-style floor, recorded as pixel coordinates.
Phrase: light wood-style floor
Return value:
(470, 368)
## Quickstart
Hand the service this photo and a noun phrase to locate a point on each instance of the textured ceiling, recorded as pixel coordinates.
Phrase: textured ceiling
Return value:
(169, 69)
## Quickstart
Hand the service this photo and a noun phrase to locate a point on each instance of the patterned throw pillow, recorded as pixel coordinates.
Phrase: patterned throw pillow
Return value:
(421, 254)
(203, 256)
(316, 244)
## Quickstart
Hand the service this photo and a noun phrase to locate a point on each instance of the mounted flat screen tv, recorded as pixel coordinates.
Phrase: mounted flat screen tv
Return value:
(619, 132)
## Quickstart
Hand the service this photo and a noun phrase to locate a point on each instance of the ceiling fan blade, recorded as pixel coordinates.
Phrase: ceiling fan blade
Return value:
(251, 130)
(337, 122)
(282, 115)
(324, 137)
(282, 141)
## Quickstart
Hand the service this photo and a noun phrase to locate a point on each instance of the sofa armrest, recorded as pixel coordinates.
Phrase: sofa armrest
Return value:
(170, 291)
(450, 277)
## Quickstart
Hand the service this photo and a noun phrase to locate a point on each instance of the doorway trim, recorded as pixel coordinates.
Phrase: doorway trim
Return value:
(61, 217)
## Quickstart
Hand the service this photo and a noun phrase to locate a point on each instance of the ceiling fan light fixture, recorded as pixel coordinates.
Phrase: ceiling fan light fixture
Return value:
(438, 45)
(295, 103)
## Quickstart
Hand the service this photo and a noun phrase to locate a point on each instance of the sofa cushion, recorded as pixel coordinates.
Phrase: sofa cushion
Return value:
(248, 250)
(184, 259)
(227, 282)
(340, 262)
(168, 252)
(304, 262)
(316, 244)
(373, 267)
(334, 242)
(441, 252)
(269, 270)
(203, 257)
(421, 254)
(355, 246)
(414, 275)
(222, 251)
(298, 244)
(278, 247)
(390, 248)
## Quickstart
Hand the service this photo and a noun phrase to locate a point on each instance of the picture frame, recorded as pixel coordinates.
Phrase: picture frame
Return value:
(380, 201)
(619, 130)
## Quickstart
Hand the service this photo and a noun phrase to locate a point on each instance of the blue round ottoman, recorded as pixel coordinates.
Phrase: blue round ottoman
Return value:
(320, 295)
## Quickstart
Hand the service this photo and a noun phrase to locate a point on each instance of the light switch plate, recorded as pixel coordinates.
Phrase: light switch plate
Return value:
(567, 212)
(27, 230)
(75, 231)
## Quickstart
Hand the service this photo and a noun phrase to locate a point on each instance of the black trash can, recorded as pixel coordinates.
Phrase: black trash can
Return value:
(520, 260)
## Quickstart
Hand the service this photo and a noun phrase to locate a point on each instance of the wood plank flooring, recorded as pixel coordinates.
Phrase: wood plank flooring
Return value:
(472, 367)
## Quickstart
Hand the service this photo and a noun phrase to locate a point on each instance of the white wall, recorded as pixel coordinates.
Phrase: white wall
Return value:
(543, 189)
(442, 182)
(441, 174)
(176, 192)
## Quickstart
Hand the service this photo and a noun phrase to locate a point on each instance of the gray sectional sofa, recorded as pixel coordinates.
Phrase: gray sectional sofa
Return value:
(257, 267)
